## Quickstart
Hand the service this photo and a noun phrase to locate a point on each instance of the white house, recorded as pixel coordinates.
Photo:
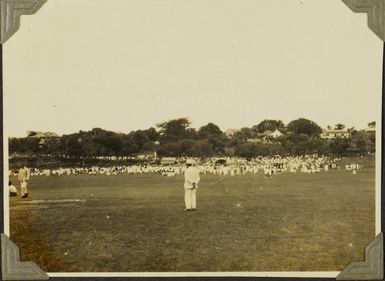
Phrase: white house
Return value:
(271, 135)
(371, 129)
(334, 134)
(275, 134)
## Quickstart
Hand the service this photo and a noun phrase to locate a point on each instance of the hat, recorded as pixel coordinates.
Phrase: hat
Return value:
(190, 162)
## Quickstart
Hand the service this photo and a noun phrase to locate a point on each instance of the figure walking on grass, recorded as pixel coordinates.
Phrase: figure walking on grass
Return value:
(23, 177)
(191, 180)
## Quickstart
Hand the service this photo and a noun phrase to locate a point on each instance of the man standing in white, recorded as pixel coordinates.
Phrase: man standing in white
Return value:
(191, 180)
(23, 177)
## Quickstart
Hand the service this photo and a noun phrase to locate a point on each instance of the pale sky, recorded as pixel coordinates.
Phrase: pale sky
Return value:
(124, 65)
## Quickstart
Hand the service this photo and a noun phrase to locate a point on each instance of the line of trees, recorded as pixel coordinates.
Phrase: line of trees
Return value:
(177, 138)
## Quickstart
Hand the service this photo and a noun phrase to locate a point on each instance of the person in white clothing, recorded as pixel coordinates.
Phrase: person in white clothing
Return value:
(12, 190)
(23, 177)
(191, 180)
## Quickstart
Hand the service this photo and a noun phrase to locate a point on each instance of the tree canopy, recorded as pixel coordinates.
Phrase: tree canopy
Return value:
(269, 125)
(305, 127)
(174, 130)
(176, 138)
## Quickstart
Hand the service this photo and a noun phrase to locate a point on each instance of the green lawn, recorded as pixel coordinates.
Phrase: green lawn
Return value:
(136, 223)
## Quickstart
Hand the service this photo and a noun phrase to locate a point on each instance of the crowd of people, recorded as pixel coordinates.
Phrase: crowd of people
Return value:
(224, 167)
(231, 166)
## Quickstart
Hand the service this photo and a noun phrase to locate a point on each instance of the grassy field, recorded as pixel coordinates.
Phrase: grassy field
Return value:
(136, 223)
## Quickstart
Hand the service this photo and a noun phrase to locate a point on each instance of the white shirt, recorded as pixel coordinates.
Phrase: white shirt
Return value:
(191, 176)
(24, 174)
(12, 188)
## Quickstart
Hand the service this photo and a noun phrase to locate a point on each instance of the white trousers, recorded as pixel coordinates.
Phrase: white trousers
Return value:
(190, 198)
(24, 189)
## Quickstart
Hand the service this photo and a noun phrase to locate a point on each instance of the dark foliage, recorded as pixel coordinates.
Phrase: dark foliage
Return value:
(177, 138)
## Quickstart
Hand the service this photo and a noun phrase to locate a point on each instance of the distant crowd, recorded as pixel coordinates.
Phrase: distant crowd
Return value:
(231, 166)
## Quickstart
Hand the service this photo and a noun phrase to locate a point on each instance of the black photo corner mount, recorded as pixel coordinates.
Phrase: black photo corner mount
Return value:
(372, 268)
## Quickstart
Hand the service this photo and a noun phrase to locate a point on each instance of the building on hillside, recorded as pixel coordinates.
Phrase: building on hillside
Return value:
(265, 134)
(277, 133)
(270, 134)
(371, 129)
(41, 136)
(231, 132)
(334, 134)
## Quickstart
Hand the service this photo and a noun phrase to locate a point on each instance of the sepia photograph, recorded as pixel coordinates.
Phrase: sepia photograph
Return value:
(192, 137)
